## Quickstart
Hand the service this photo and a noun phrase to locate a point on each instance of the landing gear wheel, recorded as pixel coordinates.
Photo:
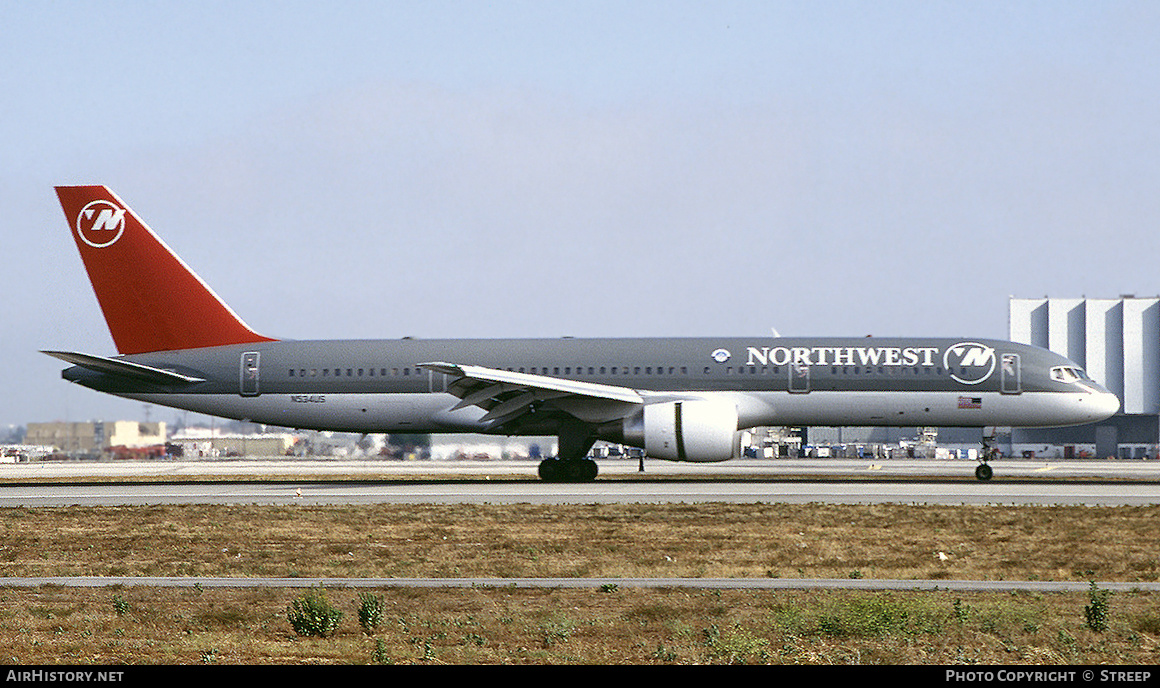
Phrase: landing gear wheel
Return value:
(983, 472)
(549, 470)
(582, 470)
(568, 470)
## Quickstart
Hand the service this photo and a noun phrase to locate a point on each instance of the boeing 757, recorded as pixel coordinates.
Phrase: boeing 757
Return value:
(680, 399)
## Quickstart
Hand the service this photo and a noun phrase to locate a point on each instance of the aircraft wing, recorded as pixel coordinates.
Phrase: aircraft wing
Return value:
(508, 396)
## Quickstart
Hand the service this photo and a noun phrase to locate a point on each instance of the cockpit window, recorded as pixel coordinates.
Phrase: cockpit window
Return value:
(1068, 374)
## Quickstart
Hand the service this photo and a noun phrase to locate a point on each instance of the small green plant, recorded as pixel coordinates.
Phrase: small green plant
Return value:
(380, 655)
(557, 630)
(1096, 612)
(961, 610)
(120, 605)
(370, 612)
(313, 615)
(609, 587)
(739, 646)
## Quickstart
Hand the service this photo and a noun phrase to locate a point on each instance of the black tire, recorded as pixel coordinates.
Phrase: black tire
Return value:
(550, 470)
(574, 471)
(583, 471)
(984, 472)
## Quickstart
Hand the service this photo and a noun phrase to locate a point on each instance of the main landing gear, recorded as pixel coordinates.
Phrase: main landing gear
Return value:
(572, 465)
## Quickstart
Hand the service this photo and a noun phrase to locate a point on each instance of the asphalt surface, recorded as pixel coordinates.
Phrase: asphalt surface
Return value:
(838, 481)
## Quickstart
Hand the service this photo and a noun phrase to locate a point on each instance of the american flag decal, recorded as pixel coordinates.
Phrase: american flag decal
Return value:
(970, 402)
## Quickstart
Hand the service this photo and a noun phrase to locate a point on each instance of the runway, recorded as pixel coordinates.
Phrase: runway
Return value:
(256, 467)
(837, 481)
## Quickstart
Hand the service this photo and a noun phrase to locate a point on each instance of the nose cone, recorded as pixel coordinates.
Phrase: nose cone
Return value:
(1105, 404)
(1100, 404)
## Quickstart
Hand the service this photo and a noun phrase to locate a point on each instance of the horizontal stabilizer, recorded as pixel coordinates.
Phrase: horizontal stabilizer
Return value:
(113, 366)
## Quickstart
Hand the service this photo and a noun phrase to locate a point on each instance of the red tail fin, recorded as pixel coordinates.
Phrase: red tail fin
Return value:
(151, 299)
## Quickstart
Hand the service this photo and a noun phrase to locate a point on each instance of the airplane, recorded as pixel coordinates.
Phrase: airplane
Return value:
(679, 399)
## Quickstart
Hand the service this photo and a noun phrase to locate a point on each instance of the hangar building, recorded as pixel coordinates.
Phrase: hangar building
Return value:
(1118, 342)
(93, 438)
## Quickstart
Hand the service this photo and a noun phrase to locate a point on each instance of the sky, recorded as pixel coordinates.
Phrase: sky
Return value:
(539, 169)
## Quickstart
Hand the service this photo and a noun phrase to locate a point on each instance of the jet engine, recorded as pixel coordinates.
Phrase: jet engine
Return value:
(687, 430)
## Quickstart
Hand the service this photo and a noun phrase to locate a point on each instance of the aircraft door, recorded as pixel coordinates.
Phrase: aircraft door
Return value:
(248, 374)
(1011, 374)
(799, 378)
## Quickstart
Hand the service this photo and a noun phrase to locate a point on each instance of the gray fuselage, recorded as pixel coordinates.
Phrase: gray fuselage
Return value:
(379, 386)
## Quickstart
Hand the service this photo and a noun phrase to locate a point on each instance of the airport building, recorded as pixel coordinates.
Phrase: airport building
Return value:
(1117, 341)
(95, 437)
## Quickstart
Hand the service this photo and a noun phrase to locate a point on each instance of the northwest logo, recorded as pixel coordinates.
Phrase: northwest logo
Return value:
(969, 362)
(100, 223)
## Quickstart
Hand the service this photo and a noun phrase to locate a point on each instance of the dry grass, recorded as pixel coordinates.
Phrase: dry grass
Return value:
(581, 626)
(183, 626)
(703, 540)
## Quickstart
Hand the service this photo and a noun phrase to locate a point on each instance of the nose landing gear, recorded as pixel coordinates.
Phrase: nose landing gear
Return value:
(983, 471)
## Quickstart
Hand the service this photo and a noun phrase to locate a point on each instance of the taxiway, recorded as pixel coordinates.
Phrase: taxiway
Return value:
(840, 481)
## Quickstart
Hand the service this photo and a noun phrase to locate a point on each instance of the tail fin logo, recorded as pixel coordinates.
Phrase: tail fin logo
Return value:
(100, 223)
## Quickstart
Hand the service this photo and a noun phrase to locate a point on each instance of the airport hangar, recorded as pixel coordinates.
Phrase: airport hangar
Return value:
(1116, 340)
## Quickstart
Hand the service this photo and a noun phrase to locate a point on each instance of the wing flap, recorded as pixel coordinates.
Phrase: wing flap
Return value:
(507, 396)
(526, 380)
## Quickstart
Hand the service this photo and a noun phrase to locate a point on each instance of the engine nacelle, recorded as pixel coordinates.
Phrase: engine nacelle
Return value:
(687, 430)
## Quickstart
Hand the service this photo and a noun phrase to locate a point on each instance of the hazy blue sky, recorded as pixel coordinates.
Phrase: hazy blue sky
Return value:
(490, 169)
